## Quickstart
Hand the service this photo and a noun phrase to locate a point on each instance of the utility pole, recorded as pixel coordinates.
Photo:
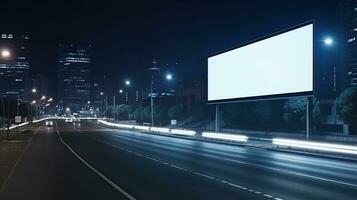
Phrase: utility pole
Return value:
(114, 107)
(217, 119)
(152, 105)
(308, 111)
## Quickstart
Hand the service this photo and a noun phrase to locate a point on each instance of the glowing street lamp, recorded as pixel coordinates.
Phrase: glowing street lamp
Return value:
(5, 53)
(120, 91)
(169, 77)
(127, 82)
(328, 41)
(33, 102)
(43, 97)
(34, 90)
(49, 100)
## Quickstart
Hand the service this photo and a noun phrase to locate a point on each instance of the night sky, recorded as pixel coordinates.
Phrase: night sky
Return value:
(126, 35)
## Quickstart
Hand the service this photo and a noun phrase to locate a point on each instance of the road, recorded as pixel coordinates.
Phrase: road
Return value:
(88, 161)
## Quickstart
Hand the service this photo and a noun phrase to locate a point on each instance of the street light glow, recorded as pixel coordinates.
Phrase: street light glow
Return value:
(34, 90)
(5, 53)
(328, 41)
(33, 102)
(127, 82)
(43, 97)
(68, 109)
(169, 77)
(49, 100)
(102, 93)
(120, 91)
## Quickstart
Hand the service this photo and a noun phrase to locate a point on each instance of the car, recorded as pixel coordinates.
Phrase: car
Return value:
(49, 123)
(68, 120)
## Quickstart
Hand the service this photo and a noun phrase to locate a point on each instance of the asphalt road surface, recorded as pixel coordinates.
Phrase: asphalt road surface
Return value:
(88, 161)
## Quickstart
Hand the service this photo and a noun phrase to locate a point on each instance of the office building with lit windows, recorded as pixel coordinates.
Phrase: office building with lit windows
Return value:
(14, 66)
(348, 41)
(74, 77)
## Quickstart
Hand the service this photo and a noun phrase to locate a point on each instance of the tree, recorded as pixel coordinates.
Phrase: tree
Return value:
(175, 112)
(145, 114)
(295, 110)
(347, 106)
(109, 111)
(136, 114)
(122, 111)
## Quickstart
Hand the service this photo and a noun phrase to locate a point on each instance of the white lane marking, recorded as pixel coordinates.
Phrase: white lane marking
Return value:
(329, 180)
(188, 170)
(18, 161)
(110, 182)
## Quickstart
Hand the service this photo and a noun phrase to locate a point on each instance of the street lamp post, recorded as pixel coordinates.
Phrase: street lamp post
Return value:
(5, 54)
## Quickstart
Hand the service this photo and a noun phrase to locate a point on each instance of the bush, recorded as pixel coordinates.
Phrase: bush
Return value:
(347, 106)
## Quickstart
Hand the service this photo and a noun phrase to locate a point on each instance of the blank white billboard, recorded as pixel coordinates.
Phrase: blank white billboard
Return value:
(275, 66)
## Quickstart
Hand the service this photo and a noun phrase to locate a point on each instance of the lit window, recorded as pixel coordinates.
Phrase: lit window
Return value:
(351, 39)
(3, 35)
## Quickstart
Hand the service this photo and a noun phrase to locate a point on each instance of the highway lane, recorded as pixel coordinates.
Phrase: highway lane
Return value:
(47, 170)
(158, 167)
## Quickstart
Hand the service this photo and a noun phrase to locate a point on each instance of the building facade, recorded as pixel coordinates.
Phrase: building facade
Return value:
(74, 77)
(348, 34)
(98, 94)
(15, 66)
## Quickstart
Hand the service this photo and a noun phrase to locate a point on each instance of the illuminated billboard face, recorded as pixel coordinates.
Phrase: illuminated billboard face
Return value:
(281, 65)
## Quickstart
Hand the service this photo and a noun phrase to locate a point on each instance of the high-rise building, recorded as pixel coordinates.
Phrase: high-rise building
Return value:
(14, 66)
(158, 85)
(347, 44)
(74, 71)
(98, 93)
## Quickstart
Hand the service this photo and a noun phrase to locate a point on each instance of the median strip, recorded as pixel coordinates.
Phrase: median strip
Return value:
(319, 146)
(225, 136)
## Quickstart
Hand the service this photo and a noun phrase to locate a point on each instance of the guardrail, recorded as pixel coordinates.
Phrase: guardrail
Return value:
(181, 132)
(225, 136)
(161, 130)
(26, 123)
(279, 142)
(319, 146)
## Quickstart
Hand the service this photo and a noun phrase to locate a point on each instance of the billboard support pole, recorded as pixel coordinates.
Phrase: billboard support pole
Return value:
(217, 118)
(308, 111)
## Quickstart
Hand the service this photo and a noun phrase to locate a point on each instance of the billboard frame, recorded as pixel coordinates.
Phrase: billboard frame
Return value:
(274, 96)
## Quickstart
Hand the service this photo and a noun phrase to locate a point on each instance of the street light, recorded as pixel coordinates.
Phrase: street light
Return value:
(328, 41)
(5, 53)
(169, 77)
(49, 100)
(33, 102)
(34, 90)
(121, 91)
(43, 97)
(127, 82)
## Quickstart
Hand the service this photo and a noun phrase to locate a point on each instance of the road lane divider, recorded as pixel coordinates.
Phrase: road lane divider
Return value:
(183, 132)
(225, 136)
(142, 128)
(160, 130)
(318, 146)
